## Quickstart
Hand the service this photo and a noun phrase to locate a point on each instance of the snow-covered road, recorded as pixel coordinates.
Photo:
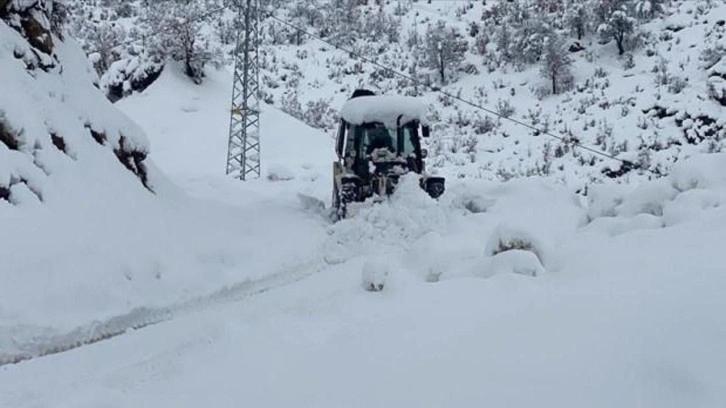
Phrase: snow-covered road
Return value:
(617, 324)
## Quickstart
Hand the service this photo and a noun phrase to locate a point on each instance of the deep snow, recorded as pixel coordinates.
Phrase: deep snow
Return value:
(509, 294)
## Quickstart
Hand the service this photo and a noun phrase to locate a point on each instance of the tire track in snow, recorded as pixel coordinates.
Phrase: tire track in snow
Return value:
(142, 317)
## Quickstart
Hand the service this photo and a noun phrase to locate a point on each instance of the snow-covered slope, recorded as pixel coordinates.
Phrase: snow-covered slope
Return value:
(190, 124)
(653, 107)
(91, 230)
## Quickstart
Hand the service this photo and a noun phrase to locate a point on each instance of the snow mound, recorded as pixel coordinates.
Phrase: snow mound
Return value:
(374, 275)
(385, 109)
(279, 173)
(521, 262)
(696, 184)
(700, 171)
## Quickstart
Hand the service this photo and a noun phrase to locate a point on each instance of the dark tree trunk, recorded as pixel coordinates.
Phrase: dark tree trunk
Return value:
(442, 67)
(620, 40)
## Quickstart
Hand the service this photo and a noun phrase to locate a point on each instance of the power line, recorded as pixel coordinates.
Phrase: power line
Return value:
(465, 101)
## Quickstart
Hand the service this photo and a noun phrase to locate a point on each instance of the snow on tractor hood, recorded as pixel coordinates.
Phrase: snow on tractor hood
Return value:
(384, 109)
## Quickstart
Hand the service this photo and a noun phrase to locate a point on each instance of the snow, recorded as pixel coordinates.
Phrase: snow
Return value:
(514, 294)
(617, 324)
(384, 109)
(374, 275)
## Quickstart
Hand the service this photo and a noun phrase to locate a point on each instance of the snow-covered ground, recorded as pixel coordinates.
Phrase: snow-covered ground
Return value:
(626, 319)
(100, 247)
(510, 294)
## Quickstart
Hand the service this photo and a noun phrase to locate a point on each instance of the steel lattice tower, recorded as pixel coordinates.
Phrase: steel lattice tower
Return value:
(243, 152)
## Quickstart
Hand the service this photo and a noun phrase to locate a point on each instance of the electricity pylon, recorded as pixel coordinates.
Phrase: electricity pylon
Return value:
(243, 151)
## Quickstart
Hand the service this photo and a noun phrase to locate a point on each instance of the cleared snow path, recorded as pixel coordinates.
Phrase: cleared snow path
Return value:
(40, 344)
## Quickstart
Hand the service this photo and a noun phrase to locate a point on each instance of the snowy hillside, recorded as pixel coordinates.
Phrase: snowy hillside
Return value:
(92, 231)
(657, 103)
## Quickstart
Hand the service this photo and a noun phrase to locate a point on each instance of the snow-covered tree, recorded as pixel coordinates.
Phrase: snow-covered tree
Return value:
(602, 10)
(578, 20)
(342, 21)
(308, 11)
(504, 42)
(529, 40)
(619, 27)
(445, 49)
(104, 38)
(556, 64)
(649, 9)
(179, 25)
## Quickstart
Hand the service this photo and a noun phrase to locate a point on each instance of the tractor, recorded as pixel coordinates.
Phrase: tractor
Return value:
(378, 141)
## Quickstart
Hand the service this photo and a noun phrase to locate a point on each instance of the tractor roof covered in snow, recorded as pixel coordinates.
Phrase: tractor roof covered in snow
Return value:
(386, 109)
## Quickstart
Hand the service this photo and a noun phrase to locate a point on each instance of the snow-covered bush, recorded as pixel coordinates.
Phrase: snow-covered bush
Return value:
(507, 238)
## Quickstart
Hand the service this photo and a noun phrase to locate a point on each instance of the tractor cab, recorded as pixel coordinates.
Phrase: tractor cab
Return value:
(379, 139)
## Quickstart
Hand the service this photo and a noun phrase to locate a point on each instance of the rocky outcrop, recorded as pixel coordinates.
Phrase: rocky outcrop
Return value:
(52, 118)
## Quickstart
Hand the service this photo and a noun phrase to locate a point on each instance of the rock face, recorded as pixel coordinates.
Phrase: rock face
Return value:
(55, 127)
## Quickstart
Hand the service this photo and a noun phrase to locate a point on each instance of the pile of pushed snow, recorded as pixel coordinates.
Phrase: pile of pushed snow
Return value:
(386, 109)
(406, 216)
(475, 229)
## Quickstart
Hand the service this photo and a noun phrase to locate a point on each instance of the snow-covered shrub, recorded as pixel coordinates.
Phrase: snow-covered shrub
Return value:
(320, 114)
(509, 238)
(505, 108)
(290, 104)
